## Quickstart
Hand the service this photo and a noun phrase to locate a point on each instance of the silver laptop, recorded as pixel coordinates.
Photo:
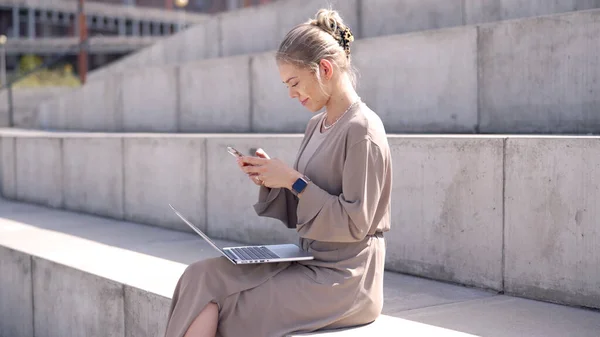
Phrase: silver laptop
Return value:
(254, 254)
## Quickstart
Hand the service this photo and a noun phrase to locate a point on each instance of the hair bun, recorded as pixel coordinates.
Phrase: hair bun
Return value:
(331, 22)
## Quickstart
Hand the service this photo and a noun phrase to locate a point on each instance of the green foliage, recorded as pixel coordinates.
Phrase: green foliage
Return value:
(29, 62)
(59, 76)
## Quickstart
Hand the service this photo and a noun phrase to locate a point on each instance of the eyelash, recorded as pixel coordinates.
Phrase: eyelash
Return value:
(295, 85)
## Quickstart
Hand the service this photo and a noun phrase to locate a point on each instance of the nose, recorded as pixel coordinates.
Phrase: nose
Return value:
(292, 93)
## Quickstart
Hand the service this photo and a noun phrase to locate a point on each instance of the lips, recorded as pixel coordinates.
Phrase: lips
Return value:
(304, 101)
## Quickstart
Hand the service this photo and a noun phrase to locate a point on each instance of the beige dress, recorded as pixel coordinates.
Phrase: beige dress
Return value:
(340, 218)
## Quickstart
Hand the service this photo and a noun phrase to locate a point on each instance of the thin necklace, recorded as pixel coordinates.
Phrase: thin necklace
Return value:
(325, 127)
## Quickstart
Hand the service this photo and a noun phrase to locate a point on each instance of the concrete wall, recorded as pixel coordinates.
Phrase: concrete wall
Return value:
(16, 306)
(260, 29)
(93, 175)
(149, 100)
(39, 170)
(61, 291)
(551, 229)
(385, 17)
(53, 299)
(25, 101)
(526, 76)
(8, 171)
(541, 75)
(447, 209)
(425, 82)
(162, 170)
(207, 107)
(483, 211)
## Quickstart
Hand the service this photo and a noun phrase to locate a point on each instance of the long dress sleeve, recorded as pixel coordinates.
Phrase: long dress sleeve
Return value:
(349, 216)
(277, 203)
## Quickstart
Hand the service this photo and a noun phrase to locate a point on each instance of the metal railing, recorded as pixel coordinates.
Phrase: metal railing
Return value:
(81, 46)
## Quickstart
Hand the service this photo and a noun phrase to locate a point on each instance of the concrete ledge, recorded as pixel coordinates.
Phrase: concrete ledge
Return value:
(38, 170)
(116, 279)
(483, 80)
(457, 200)
(16, 307)
(256, 30)
(551, 228)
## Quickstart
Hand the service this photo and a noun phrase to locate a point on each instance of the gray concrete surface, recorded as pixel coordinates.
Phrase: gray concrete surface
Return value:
(145, 262)
(501, 316)
(552, 233)
(95, 106)
(16, 304)
(477, 11)
(447, 209)
(25, 101)
(162, 170)
(52, 113)
(146, 313)
(254, 30)
(450, 195)
(272, 108)
(259, 29)
(430, 81)
(39, 170)
(9, 179)
(540, 75)
(70, 302)
(200, 41)
(214, 95)
(387, 17)
(93, 175)
(387, 326)
(456, 80)
(231, 195)
(149, 99)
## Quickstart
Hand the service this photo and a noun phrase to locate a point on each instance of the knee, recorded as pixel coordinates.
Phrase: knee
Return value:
(199, 269)
(194, 271)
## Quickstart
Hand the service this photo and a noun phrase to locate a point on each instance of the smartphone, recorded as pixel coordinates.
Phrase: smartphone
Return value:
(234, 152)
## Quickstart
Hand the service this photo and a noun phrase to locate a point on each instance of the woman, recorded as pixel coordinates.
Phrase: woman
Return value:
(337, 196)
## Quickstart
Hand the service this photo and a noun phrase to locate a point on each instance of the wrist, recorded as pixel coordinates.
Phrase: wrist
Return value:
(295, 175)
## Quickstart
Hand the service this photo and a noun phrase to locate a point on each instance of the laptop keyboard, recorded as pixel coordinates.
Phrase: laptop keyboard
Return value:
(254, 253)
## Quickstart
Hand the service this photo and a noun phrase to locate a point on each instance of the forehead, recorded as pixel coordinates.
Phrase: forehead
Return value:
(288, 70)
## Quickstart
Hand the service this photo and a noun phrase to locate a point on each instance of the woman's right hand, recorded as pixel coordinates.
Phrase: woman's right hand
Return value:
(261, 154)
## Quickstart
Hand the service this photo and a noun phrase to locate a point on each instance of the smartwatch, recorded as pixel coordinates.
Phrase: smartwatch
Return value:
(300, 185)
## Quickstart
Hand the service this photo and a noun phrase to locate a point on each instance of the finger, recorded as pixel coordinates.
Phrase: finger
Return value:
(256, 180)
(254, 160)
(262, 154)
(253, 169)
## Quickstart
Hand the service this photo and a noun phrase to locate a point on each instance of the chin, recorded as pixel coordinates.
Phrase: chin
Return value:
(314, 109)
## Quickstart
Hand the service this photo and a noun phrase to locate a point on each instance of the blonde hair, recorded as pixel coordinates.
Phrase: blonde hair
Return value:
(324, 37)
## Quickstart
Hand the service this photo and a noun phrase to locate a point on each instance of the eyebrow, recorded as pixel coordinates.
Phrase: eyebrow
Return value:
(289, 79)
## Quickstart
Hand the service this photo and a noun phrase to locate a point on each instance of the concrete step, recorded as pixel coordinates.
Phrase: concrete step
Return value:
(25, 102)
(508, 213)
(533, 75)
(66, 273)
(260, 29)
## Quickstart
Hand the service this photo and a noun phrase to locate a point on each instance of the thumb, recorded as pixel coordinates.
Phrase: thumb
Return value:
(262, 154)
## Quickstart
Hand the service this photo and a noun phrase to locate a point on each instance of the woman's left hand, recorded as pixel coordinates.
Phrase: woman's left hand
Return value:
(273, 172)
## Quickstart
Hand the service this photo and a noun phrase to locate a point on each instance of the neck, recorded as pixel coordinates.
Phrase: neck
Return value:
(339, 102)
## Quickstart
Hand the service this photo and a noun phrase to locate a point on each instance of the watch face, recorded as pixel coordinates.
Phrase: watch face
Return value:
(299, 185)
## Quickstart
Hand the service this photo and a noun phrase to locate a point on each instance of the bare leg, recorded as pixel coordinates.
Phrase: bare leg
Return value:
(205, 325)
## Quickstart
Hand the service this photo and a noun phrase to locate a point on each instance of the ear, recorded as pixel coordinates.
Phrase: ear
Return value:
(326, 69)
